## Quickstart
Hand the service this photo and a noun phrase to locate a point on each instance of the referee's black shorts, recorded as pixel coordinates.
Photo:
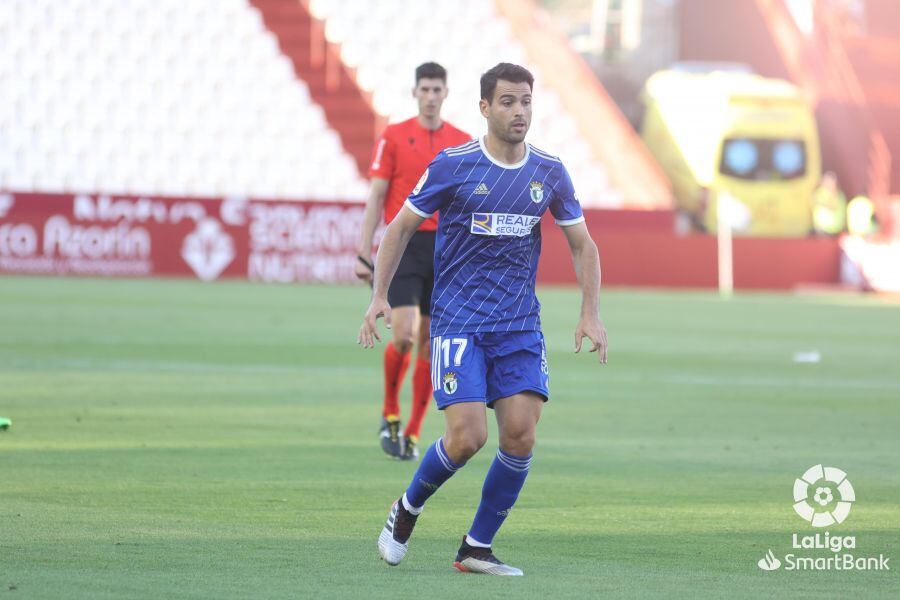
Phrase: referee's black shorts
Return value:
(414, 280)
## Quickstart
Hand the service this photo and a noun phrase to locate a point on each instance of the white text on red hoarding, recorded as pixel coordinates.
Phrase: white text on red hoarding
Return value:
(141, 210)
(285, 228)
(76, 241)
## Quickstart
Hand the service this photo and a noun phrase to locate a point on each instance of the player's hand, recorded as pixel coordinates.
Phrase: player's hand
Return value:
(592, 328)
(364, 271)
(368, 333)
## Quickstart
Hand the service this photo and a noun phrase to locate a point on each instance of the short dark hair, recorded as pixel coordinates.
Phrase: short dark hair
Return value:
(431, 70)
(506, 72)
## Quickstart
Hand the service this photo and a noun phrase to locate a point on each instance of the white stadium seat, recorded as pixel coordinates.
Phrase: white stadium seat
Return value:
(166, 96)
(159, 97)
(480, 39)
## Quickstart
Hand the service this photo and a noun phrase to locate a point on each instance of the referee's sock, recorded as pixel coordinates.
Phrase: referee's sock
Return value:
(395, 365)
(501, 488)
(434, 469)
(421, 398)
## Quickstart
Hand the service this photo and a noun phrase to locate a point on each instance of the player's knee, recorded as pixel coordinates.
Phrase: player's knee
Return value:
(517, 441)
(467, 447)
(463, 445)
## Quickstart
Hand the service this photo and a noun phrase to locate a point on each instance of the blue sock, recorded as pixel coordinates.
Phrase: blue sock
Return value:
(501, 488)
(435, 468)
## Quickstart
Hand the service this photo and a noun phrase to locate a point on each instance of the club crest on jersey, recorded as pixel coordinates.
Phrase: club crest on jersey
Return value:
(503, 224)
(450, 382)
(537, 191)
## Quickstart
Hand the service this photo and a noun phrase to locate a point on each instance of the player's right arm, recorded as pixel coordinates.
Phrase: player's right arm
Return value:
(393, 244)
(371, 218)
(433, 192)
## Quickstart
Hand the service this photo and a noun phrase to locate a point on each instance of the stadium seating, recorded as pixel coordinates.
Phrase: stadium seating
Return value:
(159, 97)
(204, 98)
(467, 37)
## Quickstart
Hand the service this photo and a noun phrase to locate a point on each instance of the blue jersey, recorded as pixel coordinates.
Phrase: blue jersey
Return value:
(489, 235)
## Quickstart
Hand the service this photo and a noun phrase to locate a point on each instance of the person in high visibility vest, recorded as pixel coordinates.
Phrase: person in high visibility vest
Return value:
(861, 216)
(829, 206)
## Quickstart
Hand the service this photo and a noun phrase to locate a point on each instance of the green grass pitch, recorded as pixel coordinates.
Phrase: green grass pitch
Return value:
(172, 439)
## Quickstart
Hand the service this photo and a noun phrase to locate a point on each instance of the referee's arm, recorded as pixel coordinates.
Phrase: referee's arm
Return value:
(371, 217)
(393, 244)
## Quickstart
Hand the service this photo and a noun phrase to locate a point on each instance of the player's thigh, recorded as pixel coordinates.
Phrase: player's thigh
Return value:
(516, 363)
(458, 370)
(465, 429)
(517, 419)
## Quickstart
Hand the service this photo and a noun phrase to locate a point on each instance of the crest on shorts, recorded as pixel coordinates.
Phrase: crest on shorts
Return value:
(536, 189)
(449, 382)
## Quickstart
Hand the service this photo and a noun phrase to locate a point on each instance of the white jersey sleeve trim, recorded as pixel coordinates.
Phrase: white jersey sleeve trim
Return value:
(421, 212)
(568, 222)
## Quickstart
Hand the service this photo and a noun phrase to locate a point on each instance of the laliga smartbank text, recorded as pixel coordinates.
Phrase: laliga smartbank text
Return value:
(823, 497)
(840, 560)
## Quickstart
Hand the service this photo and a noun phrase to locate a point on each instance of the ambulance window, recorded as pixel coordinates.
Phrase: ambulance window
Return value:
(739, 157)
(788, 158)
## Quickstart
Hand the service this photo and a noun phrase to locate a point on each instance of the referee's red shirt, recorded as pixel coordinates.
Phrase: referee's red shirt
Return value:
(401, 156)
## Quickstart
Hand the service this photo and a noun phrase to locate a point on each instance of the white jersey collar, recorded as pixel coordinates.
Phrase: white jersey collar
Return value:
(502, 164)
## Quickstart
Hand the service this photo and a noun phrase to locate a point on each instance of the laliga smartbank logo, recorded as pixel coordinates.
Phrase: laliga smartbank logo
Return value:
(832, 499)
(823, 496)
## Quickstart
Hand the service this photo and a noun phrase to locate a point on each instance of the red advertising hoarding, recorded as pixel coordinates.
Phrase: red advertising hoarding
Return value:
(209, 239)
(288, 242)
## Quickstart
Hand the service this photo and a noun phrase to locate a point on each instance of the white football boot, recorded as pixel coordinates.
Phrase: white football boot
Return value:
(393, 543)
(472, 559)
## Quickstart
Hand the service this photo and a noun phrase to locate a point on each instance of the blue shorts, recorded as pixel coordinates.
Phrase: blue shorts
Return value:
(484, 367)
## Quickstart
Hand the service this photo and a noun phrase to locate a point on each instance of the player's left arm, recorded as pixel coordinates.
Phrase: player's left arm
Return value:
(567, 211)
(587, 269)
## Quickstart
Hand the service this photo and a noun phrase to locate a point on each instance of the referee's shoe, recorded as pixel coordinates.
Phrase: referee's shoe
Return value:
(389, 433)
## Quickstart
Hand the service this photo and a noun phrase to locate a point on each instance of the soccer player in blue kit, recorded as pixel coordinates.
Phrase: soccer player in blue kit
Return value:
(487, 346)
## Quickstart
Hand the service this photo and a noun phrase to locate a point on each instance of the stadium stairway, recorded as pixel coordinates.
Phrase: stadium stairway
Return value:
(876, 60)
(575, 118)
(611, 138)
(331, 84)
(849, 77)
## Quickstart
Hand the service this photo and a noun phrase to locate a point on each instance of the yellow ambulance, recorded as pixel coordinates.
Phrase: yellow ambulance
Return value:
(734, 133)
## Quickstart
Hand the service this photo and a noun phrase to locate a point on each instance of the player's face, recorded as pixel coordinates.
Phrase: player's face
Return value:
(430, 94)
(509, 113)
